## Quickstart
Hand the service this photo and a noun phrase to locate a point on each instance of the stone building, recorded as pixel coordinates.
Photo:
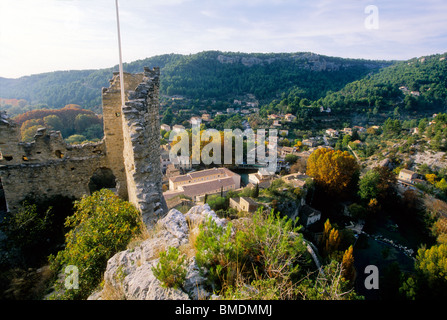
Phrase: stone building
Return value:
(127, 159)
(200, 183)
(244, 204)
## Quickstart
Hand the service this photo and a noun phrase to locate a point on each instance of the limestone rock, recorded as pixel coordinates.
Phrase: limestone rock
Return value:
(198, 214)
(175, 223)
(129, 273)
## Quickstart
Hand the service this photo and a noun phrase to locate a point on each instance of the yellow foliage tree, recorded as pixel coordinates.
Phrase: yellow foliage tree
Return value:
(332, 170)
(333, 241)
(348, 264)
(330, 240)
(430, 177)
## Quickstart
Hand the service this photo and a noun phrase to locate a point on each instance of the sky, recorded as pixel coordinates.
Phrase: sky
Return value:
(39, 36)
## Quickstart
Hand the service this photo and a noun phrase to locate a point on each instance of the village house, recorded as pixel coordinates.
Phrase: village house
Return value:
(277, 123)
(297, 180)
(289, 117)
(263, 178)
(347, 131)
(200, 183)
(243, 204)
(195, 121)
(165, 160)
(309, 215)
(273, 117)
(407, 176)
(182, 162)
(172, 171)
(165, 127)
(359, 129)
(284, 151)
(309, 142)
(178, 127)
(331, 132)
(206, 117)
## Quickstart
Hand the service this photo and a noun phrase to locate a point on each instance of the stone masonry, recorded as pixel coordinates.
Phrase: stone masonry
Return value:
(130, 150)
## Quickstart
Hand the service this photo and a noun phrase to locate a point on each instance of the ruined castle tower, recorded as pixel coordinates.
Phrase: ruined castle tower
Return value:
(132, 138)
(129, 152)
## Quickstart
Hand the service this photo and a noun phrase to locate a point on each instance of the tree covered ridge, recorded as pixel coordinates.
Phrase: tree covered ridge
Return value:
(210, 74)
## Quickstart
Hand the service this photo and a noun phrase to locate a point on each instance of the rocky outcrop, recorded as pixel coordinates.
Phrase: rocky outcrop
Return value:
(129, 273)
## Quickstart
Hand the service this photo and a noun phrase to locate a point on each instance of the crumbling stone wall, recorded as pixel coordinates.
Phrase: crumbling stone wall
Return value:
(113, 128)
(141, 136)
(48, 166)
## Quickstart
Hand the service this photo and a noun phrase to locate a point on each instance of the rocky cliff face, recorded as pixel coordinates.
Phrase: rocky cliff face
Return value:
(129, 273)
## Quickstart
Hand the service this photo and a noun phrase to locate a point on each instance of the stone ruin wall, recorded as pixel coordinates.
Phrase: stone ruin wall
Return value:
(48, 166)
(141, 134)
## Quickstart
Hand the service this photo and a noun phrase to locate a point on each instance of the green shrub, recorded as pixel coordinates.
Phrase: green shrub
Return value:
(171, 270)
(102, 225)
(26, 229)
(273, 247)
(217, 253)
(268, 247)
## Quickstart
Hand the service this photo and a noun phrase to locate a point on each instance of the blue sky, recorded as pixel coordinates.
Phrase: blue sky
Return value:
(48, 35)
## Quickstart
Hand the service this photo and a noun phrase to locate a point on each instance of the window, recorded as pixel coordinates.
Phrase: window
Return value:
(59, 154)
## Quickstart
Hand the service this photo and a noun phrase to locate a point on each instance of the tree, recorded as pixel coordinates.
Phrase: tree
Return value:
(291, 158)
(368, 185)
(83, 121)
(102, 225)
(377, 183)
(26, 229)
(255, 193)
(431, 273)
(348, 264)
(76, 139)
(29, 133)
(53, 122)
(333, 171)
(431, 177)
(330, 239)
(298, 166)
(333, 242)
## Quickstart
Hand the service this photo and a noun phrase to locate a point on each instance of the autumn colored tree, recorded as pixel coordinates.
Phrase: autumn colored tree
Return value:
(431, 270)
(333, 241)
(29, 129)
(330, 240)
(67, 116)
(348, 264)
(431, 177)
(334, 171)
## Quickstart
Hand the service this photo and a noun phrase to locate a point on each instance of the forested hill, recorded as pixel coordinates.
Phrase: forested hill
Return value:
(416, 86)
(206, 75)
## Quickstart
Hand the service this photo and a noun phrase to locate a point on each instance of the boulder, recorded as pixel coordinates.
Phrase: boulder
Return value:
(129, 273)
